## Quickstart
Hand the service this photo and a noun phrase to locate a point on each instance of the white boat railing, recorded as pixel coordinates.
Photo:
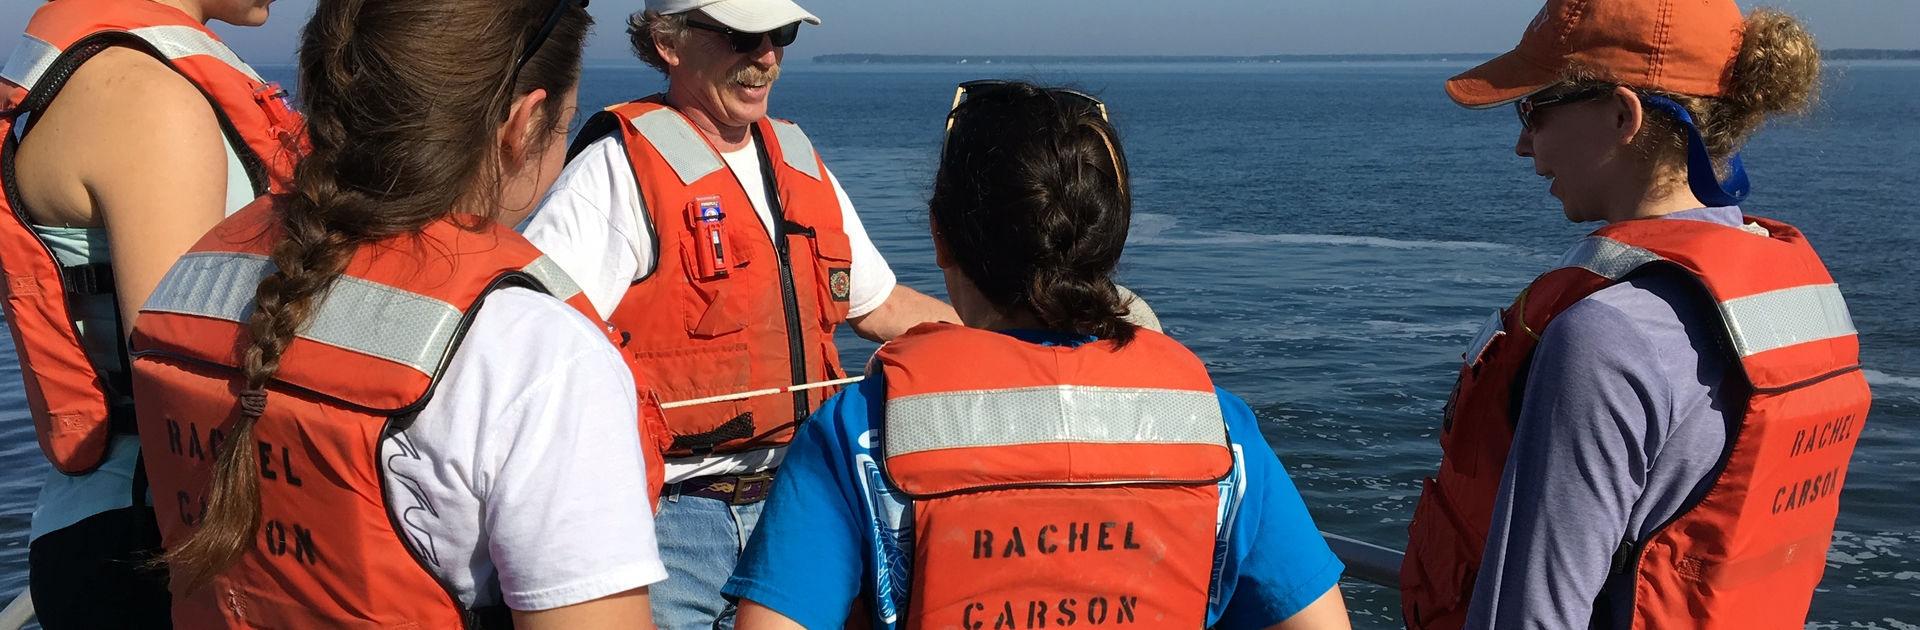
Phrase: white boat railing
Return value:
(18, 612)
(1365, 561)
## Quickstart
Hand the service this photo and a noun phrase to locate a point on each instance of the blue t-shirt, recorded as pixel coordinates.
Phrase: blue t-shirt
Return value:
(834, 531)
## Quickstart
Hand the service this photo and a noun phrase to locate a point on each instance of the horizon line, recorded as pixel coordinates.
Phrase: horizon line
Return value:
(1835, 54)
(1838, 54)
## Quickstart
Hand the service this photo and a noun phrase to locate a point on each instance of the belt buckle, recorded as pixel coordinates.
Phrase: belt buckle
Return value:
(742, 482)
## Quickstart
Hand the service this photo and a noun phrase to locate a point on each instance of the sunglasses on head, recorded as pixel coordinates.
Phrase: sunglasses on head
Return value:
(985, 85)
(546, 30)
(1527, 106)
(744, 42)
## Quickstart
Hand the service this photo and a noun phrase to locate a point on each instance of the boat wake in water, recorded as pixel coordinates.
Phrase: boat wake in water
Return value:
(1878, 378)
(1151, 229)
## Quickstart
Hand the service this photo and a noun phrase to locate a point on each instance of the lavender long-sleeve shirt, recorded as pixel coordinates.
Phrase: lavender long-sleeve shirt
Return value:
(1622, 422)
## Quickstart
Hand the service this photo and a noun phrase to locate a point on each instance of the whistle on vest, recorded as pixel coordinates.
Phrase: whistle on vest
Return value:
(709, 236)
(272, 100)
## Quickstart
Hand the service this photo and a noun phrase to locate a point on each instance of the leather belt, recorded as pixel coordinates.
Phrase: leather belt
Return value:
(733, 489)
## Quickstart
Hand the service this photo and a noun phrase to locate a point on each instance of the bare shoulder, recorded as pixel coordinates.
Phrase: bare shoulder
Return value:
(124, 123)
(122, 89)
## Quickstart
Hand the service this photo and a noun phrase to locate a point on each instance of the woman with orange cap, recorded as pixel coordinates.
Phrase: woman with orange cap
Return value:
(1653, 434)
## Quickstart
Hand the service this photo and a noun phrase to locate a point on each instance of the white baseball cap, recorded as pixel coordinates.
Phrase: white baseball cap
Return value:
(747, 16)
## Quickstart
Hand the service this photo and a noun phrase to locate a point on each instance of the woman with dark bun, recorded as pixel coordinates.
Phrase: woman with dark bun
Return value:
(1654, 433)
(1049, 462)
(366, 403)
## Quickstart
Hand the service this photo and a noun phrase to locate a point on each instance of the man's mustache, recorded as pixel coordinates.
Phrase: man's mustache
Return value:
(751, 74)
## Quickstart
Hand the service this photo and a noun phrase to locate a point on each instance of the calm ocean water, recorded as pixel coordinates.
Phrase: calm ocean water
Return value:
(1328, 237)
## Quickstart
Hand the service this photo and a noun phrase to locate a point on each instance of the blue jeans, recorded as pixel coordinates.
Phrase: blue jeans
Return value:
(700, 541)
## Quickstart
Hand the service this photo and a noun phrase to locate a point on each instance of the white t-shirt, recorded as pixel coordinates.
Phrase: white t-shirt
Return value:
(522, 481)
(593, 225)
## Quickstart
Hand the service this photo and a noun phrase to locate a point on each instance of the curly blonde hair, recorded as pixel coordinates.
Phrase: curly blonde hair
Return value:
(1776, 71)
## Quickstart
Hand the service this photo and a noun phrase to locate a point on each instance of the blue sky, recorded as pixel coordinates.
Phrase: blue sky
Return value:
(1136, 27)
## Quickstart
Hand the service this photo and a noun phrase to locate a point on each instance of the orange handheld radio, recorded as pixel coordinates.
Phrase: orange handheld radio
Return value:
(710, 235)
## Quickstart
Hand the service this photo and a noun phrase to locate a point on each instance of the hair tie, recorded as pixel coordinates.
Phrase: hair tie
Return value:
(253, 403)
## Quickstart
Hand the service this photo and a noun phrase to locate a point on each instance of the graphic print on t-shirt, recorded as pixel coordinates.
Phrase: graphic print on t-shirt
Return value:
(892, 527)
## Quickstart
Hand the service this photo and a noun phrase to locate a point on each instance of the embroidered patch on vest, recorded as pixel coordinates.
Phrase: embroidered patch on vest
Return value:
(839, 284)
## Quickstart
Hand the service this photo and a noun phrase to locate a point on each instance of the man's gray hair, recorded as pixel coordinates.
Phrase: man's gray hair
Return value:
(647, 27)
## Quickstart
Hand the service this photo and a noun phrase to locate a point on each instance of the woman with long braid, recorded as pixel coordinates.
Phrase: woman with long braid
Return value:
(368, 404)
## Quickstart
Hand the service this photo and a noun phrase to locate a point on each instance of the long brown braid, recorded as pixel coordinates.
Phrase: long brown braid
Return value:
(403, 100)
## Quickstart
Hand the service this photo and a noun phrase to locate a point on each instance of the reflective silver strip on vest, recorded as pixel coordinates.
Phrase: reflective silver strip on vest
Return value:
(358, 315)
(796, 148)
(1777, 319)
(185, 41)
(1609, 258)
(549, 273)
(211, 284)
(33, 56)
(1044, 415)
(30, 59)
(677, 141)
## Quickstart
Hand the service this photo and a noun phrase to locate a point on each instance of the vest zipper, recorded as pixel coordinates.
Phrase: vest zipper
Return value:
(796, 339)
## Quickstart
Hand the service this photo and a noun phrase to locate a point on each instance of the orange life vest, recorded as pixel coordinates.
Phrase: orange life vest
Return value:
(76, 407)
(726, 308)
(1052, 483)
(328, 553)
(1750, 552)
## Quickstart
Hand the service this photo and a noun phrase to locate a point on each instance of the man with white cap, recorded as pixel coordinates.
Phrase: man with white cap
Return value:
(717, 243)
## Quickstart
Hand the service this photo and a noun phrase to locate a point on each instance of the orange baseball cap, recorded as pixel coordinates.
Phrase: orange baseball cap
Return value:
(1679, 46)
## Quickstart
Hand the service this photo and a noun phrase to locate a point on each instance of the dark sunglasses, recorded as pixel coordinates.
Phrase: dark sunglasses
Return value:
(744, 42)
(1527, 106)
(985, 85)
(546, 30)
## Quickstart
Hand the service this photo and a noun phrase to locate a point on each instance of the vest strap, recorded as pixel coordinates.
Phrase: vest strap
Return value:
(796, 149)
(32, 57)
(553, 278)
(677, 141)
(599, 126)
(1606, 257)
(121, 418)
(88, 279)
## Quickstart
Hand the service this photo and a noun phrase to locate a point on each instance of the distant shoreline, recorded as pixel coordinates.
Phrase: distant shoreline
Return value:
(1838, 54)
(1868, 53)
